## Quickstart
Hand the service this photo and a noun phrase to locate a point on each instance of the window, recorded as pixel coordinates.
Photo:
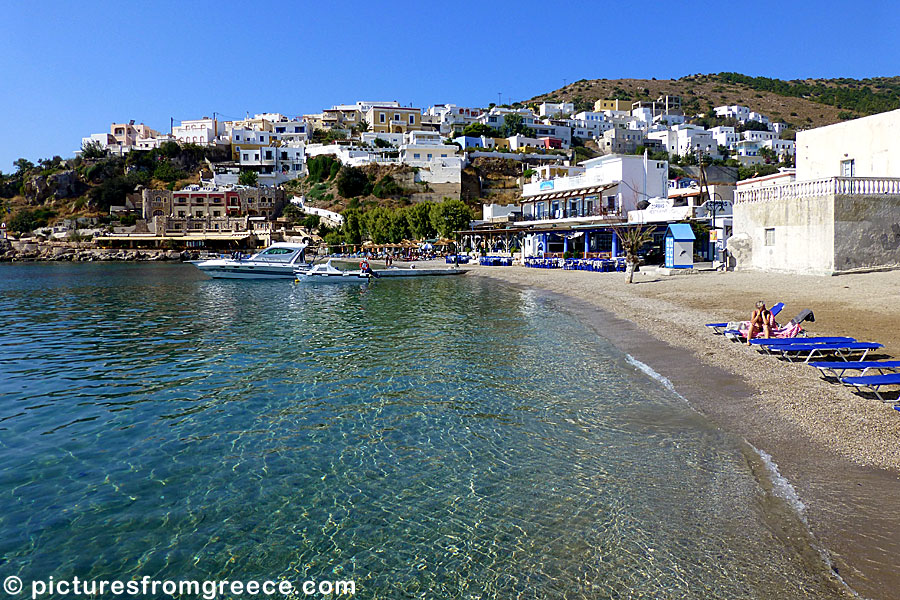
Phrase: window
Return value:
(246, 156)
(198, 214)
(180, 213)
(417, 155)
(381, 117)
(429, 157)
(158, 199)
(770, 237)
(847, 168)
(217, 213)
(238, 138)
(443, 156)
(412, 119)
(268, 155)
(256, 156)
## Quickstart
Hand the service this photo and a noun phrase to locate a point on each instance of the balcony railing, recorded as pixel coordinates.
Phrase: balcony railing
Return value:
(570, 214)
(847, 186)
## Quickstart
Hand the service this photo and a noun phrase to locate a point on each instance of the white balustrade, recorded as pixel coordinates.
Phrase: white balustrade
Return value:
(848, 186)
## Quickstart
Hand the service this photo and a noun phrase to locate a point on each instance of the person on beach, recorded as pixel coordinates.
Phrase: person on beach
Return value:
(762, 321)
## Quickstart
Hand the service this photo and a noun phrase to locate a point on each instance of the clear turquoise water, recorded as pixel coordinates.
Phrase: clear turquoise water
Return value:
(444, 438)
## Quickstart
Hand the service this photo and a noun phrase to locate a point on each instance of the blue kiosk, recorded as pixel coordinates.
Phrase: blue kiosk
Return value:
(680, 246)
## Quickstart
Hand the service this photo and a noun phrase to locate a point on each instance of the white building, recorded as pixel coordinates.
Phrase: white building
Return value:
(781, 148)
(634, 177)
(758, 136)
(453, 119)
(733, 111)
(841, 213)
(203, 132)
(725, 136)
(553, 109)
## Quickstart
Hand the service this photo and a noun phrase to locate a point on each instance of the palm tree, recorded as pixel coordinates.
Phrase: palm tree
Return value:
(633, 239)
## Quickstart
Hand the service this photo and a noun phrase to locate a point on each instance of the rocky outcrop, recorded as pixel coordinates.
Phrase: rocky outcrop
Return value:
(29, 251)
(65, 184)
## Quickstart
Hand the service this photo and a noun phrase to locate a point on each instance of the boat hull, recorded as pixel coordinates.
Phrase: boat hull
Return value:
(232, 269)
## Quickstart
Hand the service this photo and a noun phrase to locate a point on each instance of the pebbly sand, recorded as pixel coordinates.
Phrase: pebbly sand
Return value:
(839, 450)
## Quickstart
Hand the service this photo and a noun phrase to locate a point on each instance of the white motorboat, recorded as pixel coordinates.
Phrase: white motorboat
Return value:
(328, 273)
(281, 260)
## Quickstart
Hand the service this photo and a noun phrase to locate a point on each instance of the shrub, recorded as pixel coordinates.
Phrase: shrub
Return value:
(351, 182)
(166, 171)
(248, 177)
(27, 220)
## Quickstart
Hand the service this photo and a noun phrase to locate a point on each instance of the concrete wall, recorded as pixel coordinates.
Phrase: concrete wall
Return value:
(866, 232)
(803, 235)
(872, 142)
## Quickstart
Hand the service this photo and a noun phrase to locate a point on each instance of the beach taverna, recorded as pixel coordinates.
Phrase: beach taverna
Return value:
(574, 209)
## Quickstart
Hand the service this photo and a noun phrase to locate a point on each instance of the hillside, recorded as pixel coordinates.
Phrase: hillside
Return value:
(801, 103)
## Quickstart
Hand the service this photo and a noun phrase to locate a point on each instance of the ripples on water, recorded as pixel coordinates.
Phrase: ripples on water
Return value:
(443, 438)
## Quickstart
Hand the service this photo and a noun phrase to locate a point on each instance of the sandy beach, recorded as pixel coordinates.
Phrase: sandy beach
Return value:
(837, 448)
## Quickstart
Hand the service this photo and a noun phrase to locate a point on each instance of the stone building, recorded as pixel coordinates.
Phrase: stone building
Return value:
(213, 210)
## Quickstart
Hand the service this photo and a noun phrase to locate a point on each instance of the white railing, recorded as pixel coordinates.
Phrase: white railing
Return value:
(847, 186)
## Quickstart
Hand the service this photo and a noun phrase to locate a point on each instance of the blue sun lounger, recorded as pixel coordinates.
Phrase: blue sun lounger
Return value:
(873, 382)
(838, 368)
(769, 345)
(839, 349)
(719, 328)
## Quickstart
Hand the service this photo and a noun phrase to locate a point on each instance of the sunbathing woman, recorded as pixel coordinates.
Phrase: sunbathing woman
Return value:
(762, 321)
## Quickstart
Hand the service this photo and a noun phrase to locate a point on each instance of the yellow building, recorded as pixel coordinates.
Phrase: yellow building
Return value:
(601, 105)
(393, 119)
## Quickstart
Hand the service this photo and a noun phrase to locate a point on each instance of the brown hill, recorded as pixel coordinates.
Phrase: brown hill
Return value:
(699, 93)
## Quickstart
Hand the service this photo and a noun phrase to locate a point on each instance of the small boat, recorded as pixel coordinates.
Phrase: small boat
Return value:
(328, 273)
(281, 260)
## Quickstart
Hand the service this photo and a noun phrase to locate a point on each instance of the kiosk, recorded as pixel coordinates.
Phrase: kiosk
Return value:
(680, 246)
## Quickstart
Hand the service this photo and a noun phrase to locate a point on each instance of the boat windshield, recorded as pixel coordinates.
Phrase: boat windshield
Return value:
(277, 255)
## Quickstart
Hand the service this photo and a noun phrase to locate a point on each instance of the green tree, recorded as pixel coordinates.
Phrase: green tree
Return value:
(169, 149)
(418, 216)
(93, 149)
(248, 177)
(479, 129)
(363, 126)
(166, 171)
(450, 216)
(23, 164)
(293, 213)
(514, 124)
(351, 182)
(27, 220)
(387, 187)
(352, 230)
(632, 240)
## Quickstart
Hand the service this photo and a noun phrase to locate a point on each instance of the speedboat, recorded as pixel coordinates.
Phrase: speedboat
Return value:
(328, 273)
(281, 260)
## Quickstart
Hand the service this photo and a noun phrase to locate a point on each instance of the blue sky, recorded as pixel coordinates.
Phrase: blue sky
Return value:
(70, 69)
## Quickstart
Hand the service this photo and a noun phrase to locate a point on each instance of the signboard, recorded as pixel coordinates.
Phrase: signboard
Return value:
(713, 235)
(670, 252)
(546, 185)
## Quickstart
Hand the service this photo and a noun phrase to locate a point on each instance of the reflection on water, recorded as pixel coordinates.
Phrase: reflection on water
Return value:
(444, 438)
